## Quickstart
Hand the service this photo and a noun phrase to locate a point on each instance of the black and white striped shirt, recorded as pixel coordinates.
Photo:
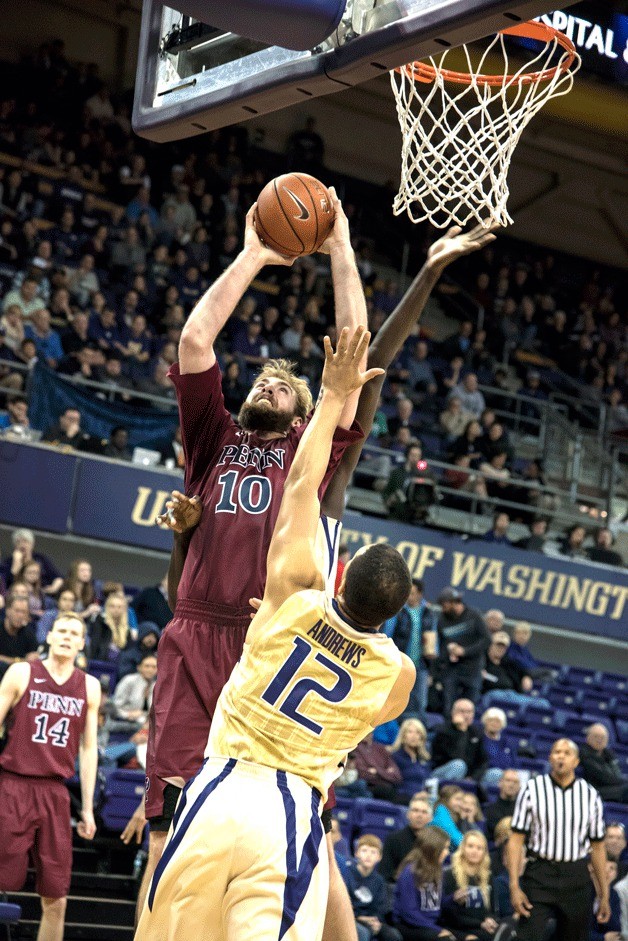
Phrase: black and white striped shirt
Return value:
(559, 822)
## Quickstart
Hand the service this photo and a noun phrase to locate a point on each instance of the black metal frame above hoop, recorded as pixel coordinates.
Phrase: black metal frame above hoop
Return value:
(196, 99)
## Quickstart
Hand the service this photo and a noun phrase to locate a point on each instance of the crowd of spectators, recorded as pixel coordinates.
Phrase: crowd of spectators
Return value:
(107, 242)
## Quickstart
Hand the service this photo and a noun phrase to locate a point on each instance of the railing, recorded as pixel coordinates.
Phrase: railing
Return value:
(109, 391)
(549, 501)
(568, 452)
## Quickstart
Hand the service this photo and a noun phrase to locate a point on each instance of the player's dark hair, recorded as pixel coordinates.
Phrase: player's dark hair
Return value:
(377, 585)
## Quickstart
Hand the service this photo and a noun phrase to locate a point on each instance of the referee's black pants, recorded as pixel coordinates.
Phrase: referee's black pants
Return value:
(561, 890)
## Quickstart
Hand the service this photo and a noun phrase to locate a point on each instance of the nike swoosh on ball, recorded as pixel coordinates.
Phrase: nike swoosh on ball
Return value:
(305, 214)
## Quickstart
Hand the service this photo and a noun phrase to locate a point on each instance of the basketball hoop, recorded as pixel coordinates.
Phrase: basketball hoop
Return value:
(460, 129)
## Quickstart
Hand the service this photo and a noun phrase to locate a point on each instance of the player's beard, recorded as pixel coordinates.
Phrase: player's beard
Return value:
(261, 418)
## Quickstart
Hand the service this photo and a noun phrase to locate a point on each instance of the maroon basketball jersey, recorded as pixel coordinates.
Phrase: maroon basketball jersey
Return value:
(240, 478)
(45, 726)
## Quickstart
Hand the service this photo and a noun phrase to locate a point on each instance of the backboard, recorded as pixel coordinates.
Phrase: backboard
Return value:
(194, 77)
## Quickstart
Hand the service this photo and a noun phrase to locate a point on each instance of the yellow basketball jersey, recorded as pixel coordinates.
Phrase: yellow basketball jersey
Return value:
(305, 692)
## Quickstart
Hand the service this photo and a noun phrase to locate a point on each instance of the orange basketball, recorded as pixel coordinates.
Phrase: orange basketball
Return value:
(294, 214)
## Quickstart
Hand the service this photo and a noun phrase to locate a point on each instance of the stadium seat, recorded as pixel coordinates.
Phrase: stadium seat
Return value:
(615, 683)
(622, 760)
(598, 703)
(534, 765)
(433, 720)
(616, 813)
(562, 697)
(578, 677)
(105, 672)
(621, 710)
(123, 791)
(10, 914)
(621, 726)
(543, 741)
(344, 814)
(535, 716)
(378, 817)
(575, 726)
(512, 711)
(464, 784)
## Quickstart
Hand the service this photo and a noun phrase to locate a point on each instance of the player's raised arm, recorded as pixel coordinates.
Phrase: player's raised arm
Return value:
(390, 338)
(196, 347)
(291, 564)
(349, 302)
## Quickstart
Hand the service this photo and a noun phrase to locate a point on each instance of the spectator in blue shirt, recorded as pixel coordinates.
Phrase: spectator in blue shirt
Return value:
(250, 346)
(418, 892)
(410, 754)
(47, 341)
(497, 751)
(447, 813)
(104, 330)
(137, 348)
(66, 604)
(139, 205)
(387, 733)
(191, 287)
(414, 632)
(518, 652)
(498, 533)
(367, 891)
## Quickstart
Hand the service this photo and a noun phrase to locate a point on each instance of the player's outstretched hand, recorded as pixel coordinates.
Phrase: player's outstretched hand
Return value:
(182, 513)
(340, 237)
(134, 829)
(252, 242)
(86, 827)
(455, 243)
(342, 374)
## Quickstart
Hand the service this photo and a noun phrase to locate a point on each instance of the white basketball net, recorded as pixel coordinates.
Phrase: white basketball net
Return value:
(458, 140)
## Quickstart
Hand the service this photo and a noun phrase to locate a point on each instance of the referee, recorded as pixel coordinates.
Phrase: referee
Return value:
(559, 819)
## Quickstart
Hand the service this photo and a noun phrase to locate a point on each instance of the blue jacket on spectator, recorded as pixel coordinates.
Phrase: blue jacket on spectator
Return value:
(522, 657)
(497, 752)
(443, 819)
(130, 657)
(375, 887)
(48, 347)
(414, 773)
(387, 733)
(599, 931)
(502, 906)
(417, 907)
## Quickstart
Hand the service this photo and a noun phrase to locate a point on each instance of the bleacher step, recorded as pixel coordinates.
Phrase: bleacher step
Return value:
(81, 931)
(112, 886)
(118, 913)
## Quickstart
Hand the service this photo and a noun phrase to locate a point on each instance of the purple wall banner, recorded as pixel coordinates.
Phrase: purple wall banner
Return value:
(118, 502)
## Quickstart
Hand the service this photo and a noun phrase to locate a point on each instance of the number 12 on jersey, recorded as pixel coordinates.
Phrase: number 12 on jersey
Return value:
(297, 688)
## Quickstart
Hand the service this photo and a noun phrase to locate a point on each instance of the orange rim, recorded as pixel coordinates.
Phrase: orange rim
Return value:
(423, 72)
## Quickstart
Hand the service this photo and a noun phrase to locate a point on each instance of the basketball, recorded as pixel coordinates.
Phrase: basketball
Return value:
(294, 214)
